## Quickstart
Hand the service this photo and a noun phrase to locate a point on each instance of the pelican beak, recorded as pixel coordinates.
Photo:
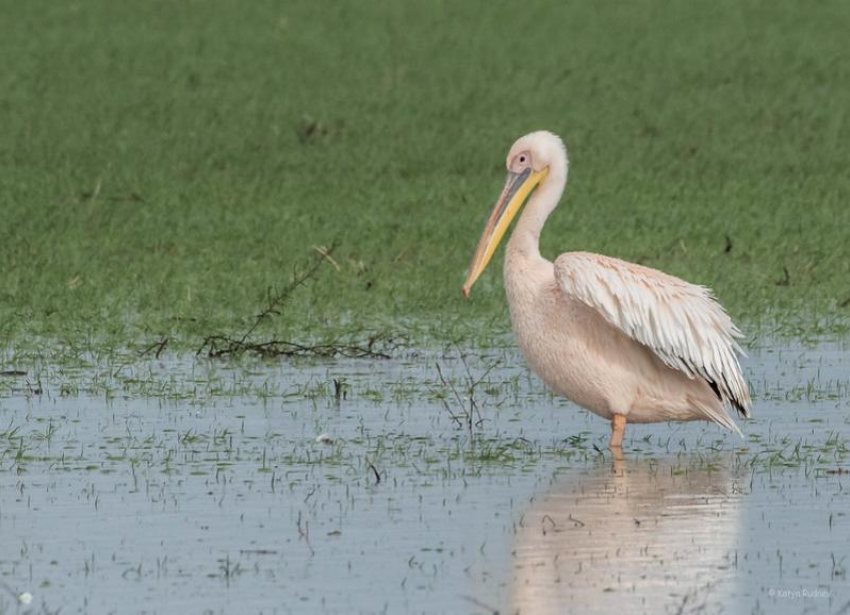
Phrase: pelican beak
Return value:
(517, 188)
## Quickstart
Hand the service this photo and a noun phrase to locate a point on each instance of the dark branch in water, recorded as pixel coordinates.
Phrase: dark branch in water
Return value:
(469, 412)
(276, 300)
(374, 470)
(375, 347)
(481, 605)
(156, 348)
(217, 346)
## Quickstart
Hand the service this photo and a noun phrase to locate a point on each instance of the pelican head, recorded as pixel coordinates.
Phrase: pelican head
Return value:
(529, 162)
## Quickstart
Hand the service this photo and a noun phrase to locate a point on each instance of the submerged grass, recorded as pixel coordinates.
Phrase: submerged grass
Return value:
(270, 470)
(224, 453)
(165, 164)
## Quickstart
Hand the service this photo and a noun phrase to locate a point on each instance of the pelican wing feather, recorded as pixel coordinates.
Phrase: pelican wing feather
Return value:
(680, 322)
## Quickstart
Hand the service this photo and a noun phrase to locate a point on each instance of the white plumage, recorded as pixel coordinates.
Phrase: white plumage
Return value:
(679, 321)
(625, 341)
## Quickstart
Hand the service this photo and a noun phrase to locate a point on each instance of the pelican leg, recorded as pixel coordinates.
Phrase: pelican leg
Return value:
(618, 430)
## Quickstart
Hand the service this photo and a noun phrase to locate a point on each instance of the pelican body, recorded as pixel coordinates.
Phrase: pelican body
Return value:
(627, 342)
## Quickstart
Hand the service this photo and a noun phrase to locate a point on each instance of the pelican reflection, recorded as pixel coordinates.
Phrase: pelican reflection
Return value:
(629, 537)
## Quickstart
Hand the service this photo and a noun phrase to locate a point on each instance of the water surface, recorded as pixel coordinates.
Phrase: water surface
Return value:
(185, 485)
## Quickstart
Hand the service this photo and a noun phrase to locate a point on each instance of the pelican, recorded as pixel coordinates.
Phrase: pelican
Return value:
(626, 342)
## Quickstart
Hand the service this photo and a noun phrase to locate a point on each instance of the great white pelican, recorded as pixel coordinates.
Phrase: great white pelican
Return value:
(627, 342)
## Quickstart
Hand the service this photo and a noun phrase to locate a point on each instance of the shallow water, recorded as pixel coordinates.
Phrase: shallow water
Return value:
(186, 486)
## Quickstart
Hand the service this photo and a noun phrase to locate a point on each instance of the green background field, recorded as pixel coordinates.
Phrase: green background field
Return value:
(163, 163)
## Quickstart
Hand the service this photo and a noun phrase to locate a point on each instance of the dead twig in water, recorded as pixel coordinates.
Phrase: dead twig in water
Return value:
(217, 346)
(375, 347)
(158, 347)
(471, 412)
(340, 390)
(448, 384)
(375, 470)
(304, 532)
(276, 300)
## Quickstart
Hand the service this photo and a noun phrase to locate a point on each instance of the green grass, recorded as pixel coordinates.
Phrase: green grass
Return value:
(164, 163)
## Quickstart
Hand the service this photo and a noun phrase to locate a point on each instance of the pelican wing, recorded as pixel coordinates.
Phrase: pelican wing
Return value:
(681, 323)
